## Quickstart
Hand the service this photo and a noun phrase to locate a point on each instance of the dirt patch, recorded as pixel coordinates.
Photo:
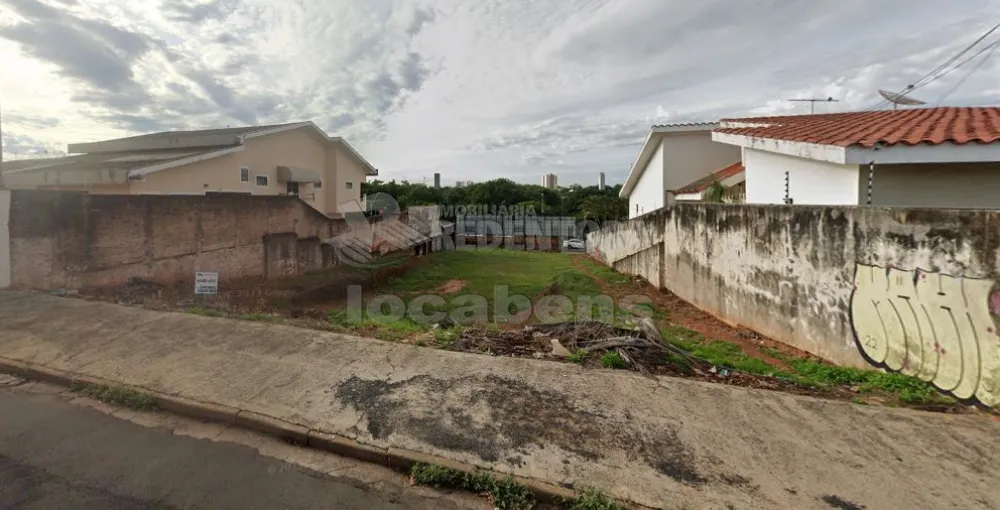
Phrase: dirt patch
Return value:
(834, 501)
(536, 342)
(291, 297)
(681, 313)
(451, 287)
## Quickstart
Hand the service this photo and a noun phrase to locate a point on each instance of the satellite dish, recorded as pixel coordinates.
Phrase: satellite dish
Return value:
(899, 98)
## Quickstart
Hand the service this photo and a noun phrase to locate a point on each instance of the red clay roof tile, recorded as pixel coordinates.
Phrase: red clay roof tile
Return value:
(703, 183)
(931, 126)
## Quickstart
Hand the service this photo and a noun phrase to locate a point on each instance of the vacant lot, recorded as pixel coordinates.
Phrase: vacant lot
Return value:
(469, 300)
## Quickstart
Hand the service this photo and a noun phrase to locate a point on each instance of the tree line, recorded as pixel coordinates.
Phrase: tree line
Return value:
(580, 202)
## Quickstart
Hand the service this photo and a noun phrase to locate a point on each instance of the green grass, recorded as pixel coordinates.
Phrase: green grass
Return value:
(504, 493)
(614, 360)
(525, 273)
(117, 395)
(907, 389)
(577, 357)
(574, 283)
(605, 273)
(591, 499)
(723, 354)
(392, 330)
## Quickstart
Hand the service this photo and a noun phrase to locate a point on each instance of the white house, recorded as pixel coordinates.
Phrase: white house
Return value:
(732, 179)
(923, 157)
(672, 157)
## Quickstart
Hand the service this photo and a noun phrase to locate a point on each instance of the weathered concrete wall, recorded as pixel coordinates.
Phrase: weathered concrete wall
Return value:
(907, 290)
(634, 246)
(72, 240)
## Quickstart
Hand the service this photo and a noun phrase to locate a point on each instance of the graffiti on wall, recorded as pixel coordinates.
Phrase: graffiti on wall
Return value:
(940, 328)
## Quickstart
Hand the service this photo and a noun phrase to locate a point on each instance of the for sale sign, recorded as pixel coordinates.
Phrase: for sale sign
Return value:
(206, 283)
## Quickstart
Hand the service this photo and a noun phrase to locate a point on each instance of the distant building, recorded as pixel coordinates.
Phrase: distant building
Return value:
(297, 159)
(673, 157)
(550, 181)
(462, 184)
(600, 181)
(913, 157)
(437, 180)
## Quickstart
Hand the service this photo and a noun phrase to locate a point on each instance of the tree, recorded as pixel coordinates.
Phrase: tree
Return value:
(578, 201)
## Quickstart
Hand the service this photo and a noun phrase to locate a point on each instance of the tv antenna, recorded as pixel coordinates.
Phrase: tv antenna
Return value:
(899, 98)
(812, 102)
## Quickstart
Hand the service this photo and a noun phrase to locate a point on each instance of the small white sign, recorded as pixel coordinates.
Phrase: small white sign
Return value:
(206, 283)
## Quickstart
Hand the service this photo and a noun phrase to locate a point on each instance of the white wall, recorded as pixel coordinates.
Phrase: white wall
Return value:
(691, 156)
(810, 181)
(647, 194)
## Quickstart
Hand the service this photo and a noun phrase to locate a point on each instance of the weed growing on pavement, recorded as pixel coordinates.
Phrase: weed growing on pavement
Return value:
(505, 493)
(578, 356)
(117, 395)
(614, 360)
(591, 499)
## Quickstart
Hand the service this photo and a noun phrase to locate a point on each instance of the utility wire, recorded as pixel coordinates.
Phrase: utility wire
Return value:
(933, 75)
(992, 49)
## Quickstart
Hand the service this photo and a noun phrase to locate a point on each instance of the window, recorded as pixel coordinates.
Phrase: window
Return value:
(262, 180)
(244, 174)
(350, 185)
(318, 184)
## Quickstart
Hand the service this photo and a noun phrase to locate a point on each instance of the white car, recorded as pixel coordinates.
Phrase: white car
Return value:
(575, 244)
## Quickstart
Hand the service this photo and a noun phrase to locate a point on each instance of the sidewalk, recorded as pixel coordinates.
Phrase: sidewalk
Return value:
(665, 443)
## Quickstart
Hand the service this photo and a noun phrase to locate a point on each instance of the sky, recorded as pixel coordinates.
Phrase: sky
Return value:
(473, 89)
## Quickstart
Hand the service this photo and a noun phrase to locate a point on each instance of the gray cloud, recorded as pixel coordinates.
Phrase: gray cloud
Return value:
(98, 54)
(421, 17)
(139, 123)
(26, 146)
(197, 12)
(39, 123)
(244, 109)
(226, 38)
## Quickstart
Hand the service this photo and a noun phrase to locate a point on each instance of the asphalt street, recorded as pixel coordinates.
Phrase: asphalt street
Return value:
(56, 454)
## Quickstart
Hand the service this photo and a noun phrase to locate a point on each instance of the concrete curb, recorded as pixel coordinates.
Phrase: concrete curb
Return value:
(398, 459)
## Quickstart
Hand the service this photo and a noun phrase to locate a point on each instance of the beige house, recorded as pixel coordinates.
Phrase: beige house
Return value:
(289, 159)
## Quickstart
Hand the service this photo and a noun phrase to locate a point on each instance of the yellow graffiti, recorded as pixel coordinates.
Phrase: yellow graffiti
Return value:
(933, 326)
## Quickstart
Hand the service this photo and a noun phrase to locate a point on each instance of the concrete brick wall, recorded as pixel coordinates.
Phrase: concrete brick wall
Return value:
(906, 290)
(67, 240)
(634, 246)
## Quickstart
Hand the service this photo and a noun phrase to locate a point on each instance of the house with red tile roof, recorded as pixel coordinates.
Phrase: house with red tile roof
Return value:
(922, 157)
(673, 157)
(732, 179)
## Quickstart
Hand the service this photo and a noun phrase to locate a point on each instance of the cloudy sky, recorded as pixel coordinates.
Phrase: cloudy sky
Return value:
(473, 88)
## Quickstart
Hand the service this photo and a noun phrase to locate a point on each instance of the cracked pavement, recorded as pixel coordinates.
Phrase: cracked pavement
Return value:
(661, 442)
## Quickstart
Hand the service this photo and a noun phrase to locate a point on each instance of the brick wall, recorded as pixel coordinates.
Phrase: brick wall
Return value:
(67, 240)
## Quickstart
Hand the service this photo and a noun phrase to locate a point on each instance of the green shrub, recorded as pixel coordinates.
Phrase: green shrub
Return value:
(613, 359)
